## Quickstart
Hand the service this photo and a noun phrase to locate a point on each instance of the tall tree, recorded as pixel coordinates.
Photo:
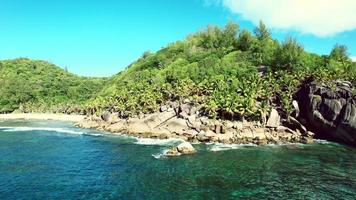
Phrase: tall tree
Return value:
(265, 46)
(245, 40)
(229, 38)
(288, 55)
(262, 32)
(339, 53)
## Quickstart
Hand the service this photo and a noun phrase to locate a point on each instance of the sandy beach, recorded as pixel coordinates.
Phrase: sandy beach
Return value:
(42, 116)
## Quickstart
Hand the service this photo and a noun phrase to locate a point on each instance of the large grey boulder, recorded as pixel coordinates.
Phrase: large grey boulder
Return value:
(329, 112)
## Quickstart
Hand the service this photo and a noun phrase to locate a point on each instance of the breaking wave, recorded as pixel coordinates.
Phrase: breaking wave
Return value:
(58, 130)
(160, 155)
(158, 142)
(322, 141)
(225, 147)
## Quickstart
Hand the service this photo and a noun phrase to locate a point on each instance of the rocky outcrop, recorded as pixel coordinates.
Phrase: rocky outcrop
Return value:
(329, 111)
(172, 152)
(184, 148)
(183, 121)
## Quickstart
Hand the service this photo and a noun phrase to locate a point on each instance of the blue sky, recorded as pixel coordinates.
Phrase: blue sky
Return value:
(101, 37)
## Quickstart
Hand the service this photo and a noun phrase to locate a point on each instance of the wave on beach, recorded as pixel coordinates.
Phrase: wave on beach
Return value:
(161, 154)
(158, 142)
(319, 141)
(58, 130)
(224, 147)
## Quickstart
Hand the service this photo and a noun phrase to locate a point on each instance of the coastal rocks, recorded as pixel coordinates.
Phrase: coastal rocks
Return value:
(176, 125)
(172, 152)
(329, 111)
(273, 120)
(306, 140)
(105, 116)
(259, 136)
(296, 125)
(184, 148)
(182, 121)
(135, 125)
(166, 124)
(163, 108)
(115, 127)
(90, 122)
(296, 108)
(219, 129)
(227, 138)
(206, 136)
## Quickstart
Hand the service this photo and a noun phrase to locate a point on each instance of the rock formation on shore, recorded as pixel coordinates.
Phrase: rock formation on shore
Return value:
(329, 111)
(184, 121)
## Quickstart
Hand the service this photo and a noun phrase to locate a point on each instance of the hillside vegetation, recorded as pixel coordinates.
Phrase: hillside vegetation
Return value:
(38, 86)
(227, 72)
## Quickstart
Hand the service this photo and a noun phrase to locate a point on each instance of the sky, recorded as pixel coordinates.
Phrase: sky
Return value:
(102, 37)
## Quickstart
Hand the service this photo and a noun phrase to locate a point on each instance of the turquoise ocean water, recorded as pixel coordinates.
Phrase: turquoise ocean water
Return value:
(54, 160)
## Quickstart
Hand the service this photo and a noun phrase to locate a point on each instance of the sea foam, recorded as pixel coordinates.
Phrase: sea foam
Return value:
(58, 130)
(225, 147)
(161, 155)
(322, 141)
(158, 142)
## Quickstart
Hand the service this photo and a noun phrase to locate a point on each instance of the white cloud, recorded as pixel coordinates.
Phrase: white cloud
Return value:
(353, 58)
(319, 17)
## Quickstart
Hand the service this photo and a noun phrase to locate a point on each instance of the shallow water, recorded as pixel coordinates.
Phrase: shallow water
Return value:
(54, 160)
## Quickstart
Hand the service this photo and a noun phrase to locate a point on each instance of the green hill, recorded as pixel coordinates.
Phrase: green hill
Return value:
(229, 73)
(38, 86)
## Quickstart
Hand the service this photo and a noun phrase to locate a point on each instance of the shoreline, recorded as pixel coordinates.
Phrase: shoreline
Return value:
(43, 116)
(167, 124)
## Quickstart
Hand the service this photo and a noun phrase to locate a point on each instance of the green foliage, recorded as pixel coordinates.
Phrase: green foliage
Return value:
(216, 69)
(289, 55)
(245, 41)
(30, 86)
(214, 38)
(339, 53)
(262, 32)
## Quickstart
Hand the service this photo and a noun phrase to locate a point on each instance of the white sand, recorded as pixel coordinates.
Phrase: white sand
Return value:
(43, 116)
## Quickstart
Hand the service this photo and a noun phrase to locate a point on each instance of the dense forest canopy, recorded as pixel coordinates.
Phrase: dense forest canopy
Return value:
(227, 72)
(38, 86)
(230, 73)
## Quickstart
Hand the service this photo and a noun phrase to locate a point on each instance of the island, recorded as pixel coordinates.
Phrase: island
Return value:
(221, 85)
